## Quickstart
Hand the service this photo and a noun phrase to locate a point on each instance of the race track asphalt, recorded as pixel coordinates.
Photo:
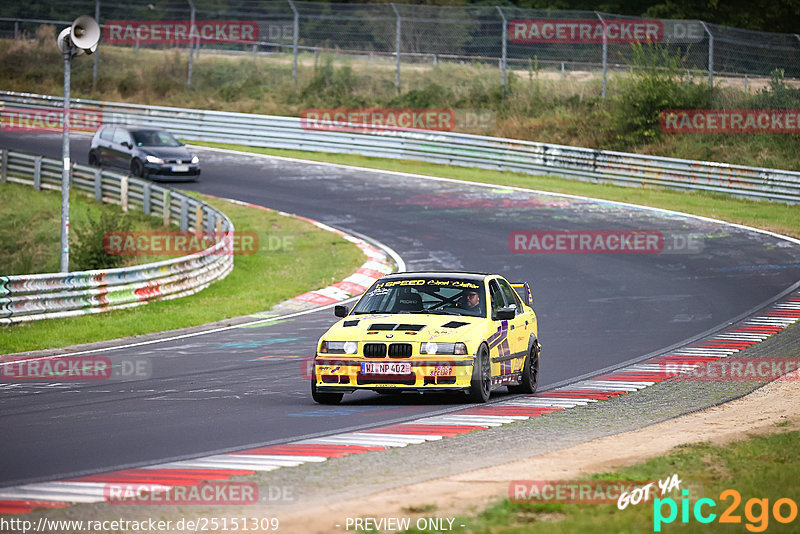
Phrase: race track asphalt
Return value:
(245, 387)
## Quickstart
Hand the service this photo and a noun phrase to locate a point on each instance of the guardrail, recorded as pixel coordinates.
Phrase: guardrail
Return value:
(443, 147)
(42, 296)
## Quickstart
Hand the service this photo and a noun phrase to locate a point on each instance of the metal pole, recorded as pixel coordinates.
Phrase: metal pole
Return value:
(94, 66)
(65, 171)
(295, 39)
(710, 62)
(191, 43)
(397, 48)
(505, 46)
(16, 30)
(605, 53)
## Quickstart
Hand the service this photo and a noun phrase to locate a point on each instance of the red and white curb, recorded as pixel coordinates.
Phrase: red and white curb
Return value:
(158, 478)
(377, 265)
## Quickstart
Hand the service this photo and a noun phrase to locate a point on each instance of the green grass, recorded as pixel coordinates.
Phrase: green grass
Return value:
(773, 216)
(257, 282)
(760, 467)
(30, 237)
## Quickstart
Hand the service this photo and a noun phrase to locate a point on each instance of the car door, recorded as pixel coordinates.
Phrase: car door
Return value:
(121, 148)
(500, 342)
(104, 145)
(519, 330)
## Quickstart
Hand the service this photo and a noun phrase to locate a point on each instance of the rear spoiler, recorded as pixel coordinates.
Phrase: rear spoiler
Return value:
(523, 289)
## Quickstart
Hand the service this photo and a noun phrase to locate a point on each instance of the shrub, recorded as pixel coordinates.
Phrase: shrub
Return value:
(87, 251)
(657, 84)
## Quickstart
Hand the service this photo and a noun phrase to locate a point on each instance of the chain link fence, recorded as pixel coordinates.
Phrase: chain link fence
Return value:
(393, 34)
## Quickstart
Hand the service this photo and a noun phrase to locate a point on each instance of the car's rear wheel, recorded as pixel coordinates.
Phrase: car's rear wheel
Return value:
(530, 373)
(94, 161)
(481, 384)
(326, 397)
(137, 168)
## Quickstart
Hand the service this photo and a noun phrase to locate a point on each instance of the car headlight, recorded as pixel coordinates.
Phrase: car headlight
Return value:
(195, 160)
(432, 347)
(154, 159)
(339, 347)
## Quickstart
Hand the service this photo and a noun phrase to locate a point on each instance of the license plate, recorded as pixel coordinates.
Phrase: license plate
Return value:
(385, 368)
(180, 168)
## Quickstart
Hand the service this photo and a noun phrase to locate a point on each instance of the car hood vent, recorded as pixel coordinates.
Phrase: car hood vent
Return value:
(454, 324)
(398, 327)
(350, 323)
(410, 327)
(382, 326)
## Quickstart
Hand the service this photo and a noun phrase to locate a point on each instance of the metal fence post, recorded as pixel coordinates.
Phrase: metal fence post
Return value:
(98, 185)
(295, 39)
(184, 215)
(16, 30)
(166, 201)
(192, 31)
(198, 219)
(123, 194)
(398, 29)
(37, 173)
(505, 45)
(710, 63)
(146, 198)
(3, 165)
(605, 53)
(94, 65)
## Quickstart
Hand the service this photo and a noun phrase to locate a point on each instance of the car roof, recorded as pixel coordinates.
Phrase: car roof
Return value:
(457, 275)
(134, 128)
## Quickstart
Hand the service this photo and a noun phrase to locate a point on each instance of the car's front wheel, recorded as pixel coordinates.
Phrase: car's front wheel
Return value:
(137, 169)
(326, 397)
(481, 384)
(530, 373)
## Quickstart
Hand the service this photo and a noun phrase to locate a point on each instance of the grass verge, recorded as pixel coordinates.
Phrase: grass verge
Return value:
(315, 259)
(772, 216)
(758, 468)
(30, 237)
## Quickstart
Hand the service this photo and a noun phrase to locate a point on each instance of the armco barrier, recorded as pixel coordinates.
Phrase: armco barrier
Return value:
(43, 296)
(444, 147)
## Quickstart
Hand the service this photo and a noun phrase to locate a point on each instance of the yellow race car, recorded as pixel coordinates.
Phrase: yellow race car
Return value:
(431, 332)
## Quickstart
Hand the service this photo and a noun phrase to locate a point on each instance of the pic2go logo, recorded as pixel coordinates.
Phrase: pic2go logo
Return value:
(756, 511)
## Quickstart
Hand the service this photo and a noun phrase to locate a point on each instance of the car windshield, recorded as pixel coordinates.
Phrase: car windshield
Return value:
(445, 296)
(154, 138)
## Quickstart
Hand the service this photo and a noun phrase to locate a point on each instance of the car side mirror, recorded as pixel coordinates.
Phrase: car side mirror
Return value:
(340, 311)
(505, 314)
(126, 145)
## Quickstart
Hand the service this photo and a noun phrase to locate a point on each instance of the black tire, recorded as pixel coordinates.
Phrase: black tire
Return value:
(530, 373)
(323, 398)
(94, 161)
(481, 385)
(137, 169)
